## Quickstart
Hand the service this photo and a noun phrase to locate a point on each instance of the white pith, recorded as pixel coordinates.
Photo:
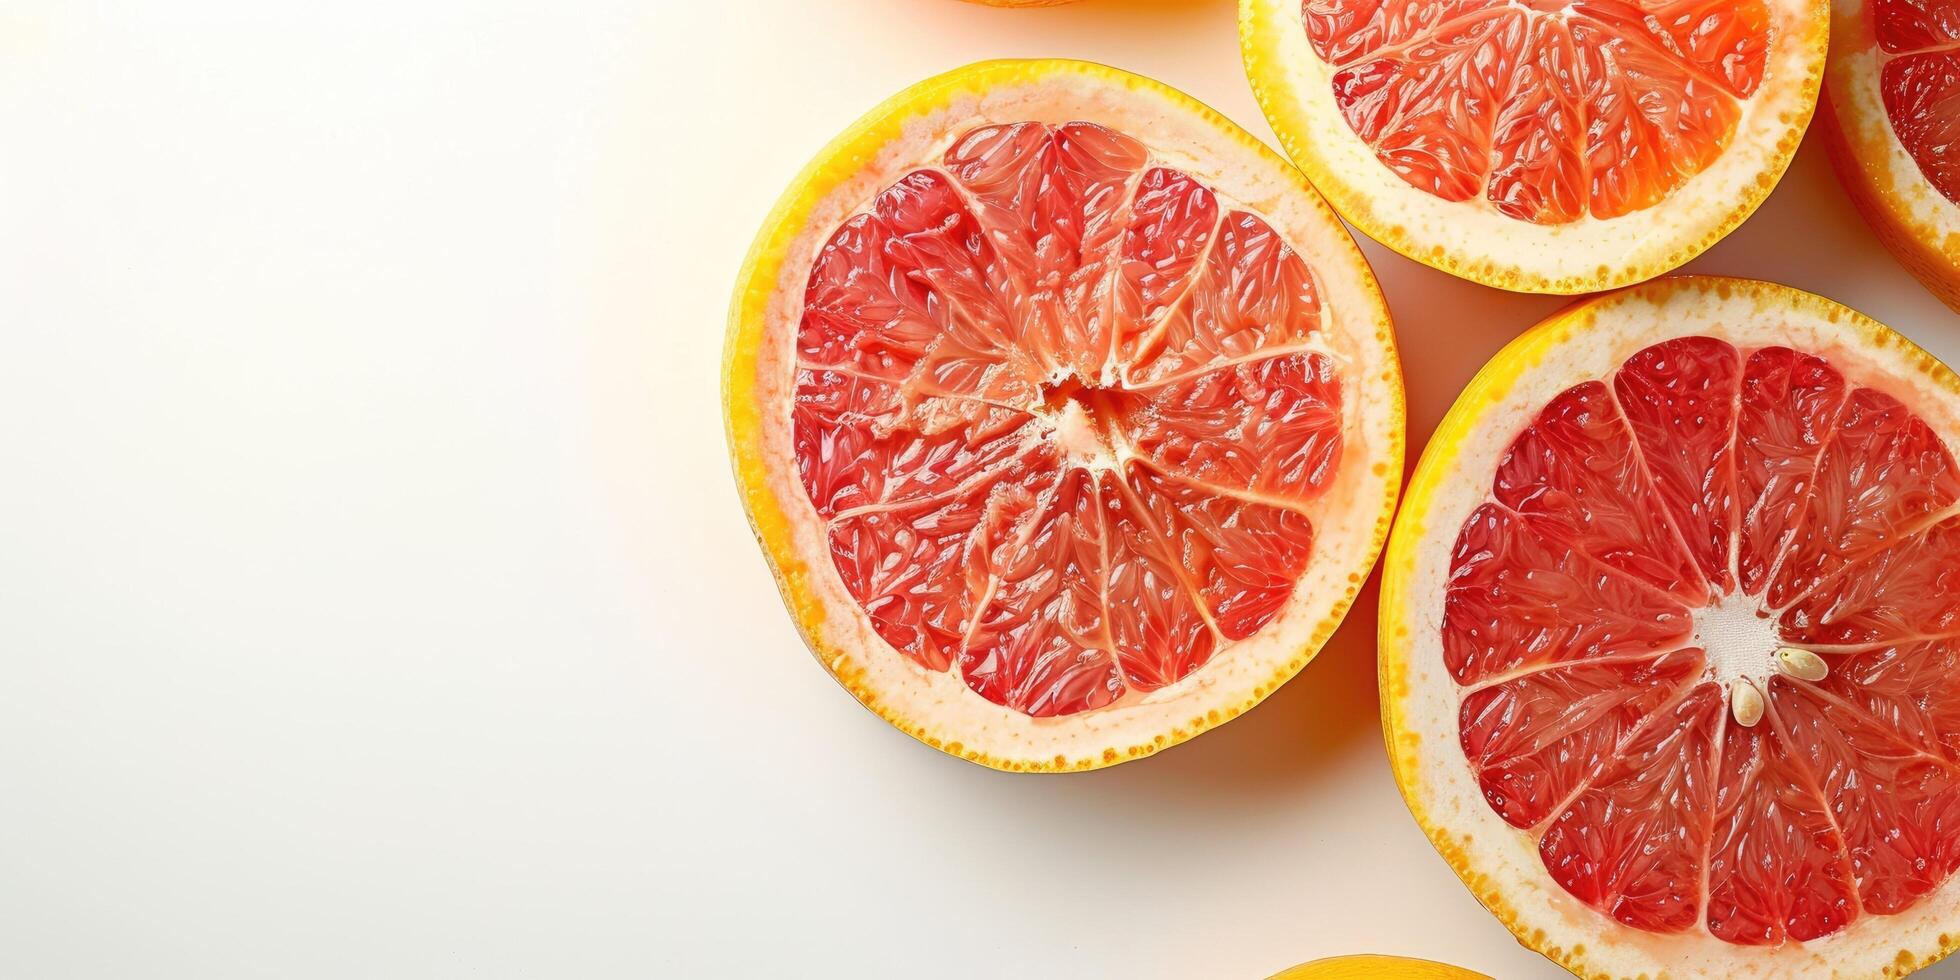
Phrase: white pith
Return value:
(1421, 698)
(1738, 637)
(1852, 86)
(1472, 237)
(1080, 438)
(1346, 520)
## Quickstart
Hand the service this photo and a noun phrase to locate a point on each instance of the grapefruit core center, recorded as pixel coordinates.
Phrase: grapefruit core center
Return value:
(1085, 418)
(1740, 638)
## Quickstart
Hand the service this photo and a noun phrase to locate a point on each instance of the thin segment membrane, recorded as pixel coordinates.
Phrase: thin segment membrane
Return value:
(1777, 867)
(1920, 84)
(974, 350)
(1550, 112)
(1577, 477)
(1536, 739)
(1790, 405)
(1516, 601)
(1896, 805)
(1885, 472)
(1632, 844)
(1680, 399)
(1833, 506)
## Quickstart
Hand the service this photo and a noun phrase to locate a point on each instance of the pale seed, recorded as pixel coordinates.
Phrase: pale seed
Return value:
(1745, 702)
(1802, 664)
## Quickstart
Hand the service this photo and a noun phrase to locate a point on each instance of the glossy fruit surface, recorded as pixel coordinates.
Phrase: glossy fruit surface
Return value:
(1547, 146)
(1669, 633)
(1893, 94)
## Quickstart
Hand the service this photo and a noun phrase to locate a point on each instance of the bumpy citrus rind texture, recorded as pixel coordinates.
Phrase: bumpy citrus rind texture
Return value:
(1371, 966)
(836, 631)
(1496, 862)
(1471, 240)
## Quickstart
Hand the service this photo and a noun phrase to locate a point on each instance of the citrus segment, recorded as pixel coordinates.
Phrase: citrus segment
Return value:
(1679, 398)
(1167, 634)
(1051, 408)
(1517, 601)
(1271, 426)
(1884, 472)
(1250, 293)
(1686, 584)
(1911, 690)
(1894, 92)
(1907, 592)
(1555, 145)
(1631, 845)
(1039, 642)
(1578, 480)
(1789, 404)
(1537, 738)
(1913, 25)
(1895, 803)
(1776, 868)
(1922, 98)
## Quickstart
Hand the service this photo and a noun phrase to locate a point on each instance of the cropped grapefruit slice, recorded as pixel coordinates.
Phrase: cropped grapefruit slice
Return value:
(1067, 415)
(1892, 95)
(1669, 637)
(1557, 146)
(1371, 966)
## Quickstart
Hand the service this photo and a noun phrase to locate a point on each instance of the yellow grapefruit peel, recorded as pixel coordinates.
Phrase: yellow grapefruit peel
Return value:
(1537, 913)
(785, 240)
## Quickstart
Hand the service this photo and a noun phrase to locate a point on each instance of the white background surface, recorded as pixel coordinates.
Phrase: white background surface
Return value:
(374, 596)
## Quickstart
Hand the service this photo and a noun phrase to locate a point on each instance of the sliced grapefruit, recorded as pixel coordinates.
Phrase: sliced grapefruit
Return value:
(1669, 637)
(1068, 416)
(1892, 96)
(1544, 146)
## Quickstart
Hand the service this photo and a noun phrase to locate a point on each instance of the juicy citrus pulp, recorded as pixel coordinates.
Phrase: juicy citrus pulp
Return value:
(1695, 585)
(1064, 415)
(1920, 79)
(1080, 397)
(1548, 110)
(1894, 92)
(1552, 145)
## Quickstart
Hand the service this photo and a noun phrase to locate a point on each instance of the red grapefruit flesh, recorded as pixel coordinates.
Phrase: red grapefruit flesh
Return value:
(1894, 92)
(1548, 111)
(1641, 490)
(1921, 85)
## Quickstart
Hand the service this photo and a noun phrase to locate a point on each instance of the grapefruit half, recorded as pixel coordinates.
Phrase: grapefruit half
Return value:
(1068, 416)
(1892, 96)
(1670, 638)
(1543, 146)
